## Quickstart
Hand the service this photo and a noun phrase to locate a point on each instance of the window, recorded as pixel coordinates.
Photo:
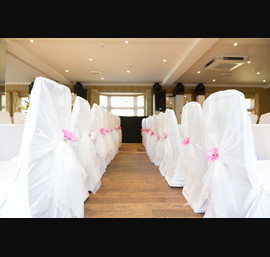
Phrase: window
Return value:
(24, 104)
(123, 105)
(3, 102)
(250, 104)
(169, 101)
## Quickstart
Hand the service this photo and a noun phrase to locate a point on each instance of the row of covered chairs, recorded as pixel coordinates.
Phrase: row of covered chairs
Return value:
(161, 137)
(18, 118)
(222, 177)
(264, 118)
(59, 160)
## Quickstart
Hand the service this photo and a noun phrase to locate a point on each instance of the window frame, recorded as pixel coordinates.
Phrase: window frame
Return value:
(135, 107)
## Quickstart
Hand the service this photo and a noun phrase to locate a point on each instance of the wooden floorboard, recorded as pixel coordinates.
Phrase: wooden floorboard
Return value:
(132, 187)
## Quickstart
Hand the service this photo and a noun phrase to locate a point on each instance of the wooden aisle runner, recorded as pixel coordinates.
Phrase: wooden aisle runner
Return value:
(132, 187)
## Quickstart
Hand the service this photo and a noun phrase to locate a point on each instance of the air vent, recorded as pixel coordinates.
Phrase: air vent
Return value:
(95, 72)
(225, 62)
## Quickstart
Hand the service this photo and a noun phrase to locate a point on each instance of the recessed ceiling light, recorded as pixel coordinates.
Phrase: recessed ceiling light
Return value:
(235, 44)
(214, 80)
(164, 60)
(264, 80)
(126, 42)
(66, 70)
(90, 59)
(31, 41)
(198, 72)
(258, 73)
(249, 62)
(102, 78)
(128, 71)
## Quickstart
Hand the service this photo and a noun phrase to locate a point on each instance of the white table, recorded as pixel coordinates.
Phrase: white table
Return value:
(261, 134)
(10, 140)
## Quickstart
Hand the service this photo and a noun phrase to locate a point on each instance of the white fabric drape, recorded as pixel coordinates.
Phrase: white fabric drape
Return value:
(265, 118)
(261, 134)
(230, 184)
(80, 127)
(162, 143)
(173, 150)
(194, 162)
(49, 181)
(5, 117)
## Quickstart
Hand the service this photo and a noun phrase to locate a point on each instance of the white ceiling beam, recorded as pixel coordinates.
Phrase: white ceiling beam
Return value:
(31, 60)
(192, 54)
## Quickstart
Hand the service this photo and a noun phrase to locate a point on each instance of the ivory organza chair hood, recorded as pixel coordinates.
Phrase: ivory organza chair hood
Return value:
(80, 127)
(194, 162)
(49, 180)
(100, 144)
(173, 150)
(265, 118)
(233, 184)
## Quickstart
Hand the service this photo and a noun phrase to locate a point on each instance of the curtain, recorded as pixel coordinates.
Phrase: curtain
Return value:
(8, 106)
(15, 103)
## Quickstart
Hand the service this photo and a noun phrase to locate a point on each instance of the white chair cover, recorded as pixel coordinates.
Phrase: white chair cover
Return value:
(18, 118)
(253, 118)
(231, 182)
(143, 131)
(108, 139)
(5, 117)
(100, 144)
(153, 139)
(193, 161)
(160, 153)
(147, 134)
(50, 177)
(80, 127)
(261, 134)
(265, 118)
(11, 138)
(119, 131)
(173, 150)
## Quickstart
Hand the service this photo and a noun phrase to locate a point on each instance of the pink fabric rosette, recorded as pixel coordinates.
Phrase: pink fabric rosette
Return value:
(68, 135)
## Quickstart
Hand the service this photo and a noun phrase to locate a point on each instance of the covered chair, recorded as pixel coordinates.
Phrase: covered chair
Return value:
(160, 151)
(143, 131)
(5, 117)
(253, 118)
(173, 150)
(261, 134)
(49, 179)
(153, 139)
(80, 127)
(19, 118)
(231, 184)
(193, 162)
(101, 147)
(265, 118)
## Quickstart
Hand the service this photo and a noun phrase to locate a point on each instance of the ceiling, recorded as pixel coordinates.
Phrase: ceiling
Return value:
(141, 61)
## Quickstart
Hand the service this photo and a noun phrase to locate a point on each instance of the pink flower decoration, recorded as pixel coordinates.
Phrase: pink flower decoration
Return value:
(147, 130)
(165, 136)
(107, 130)
(212, 154)
(142, 129)
(119, 128)
(103, 131)
(68, 135)
(158, 137)
(111, 130)
(93, 135)
(152, 133)
(185, 141)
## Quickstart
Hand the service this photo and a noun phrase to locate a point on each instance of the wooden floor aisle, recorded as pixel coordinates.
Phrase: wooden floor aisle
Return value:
(132, 187)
